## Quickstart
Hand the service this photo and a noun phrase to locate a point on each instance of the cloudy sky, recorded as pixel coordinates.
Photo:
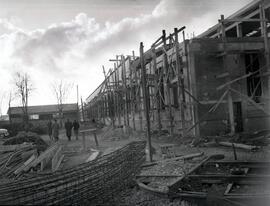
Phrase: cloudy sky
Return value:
(70, 40)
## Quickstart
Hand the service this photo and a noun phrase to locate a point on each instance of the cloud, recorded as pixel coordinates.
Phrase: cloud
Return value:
(75, 50)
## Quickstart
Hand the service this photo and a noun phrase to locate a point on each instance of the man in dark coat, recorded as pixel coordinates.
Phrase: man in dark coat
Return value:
(68, 127)
(76, 127)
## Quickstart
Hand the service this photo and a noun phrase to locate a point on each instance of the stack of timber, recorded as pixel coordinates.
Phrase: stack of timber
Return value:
(12, 160)
(95, 182)
(215, 182)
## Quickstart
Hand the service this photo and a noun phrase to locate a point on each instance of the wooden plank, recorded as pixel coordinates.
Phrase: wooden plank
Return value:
(153, 190)
(58, 163)
(238, 145)
(11, 148)
(93, 156)
(228, 189)
(25, 164)
(178, 180)
(47, 153)
(57, 158)
(185, 157)
(235, 80)
(161, 176)
(96, 140)
(243, 20)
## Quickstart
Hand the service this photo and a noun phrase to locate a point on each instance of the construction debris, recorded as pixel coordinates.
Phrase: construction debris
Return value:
(11, 148)
(12, 162)
(185, 157)
(94, 183)
(241, 146)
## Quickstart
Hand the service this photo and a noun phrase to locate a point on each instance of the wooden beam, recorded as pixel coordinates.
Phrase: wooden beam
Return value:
(156, 72)
(146, 102)
(251, 101)
(167, 84)
(229, 96)
(180, 83)
(243, 20)
(158, 42)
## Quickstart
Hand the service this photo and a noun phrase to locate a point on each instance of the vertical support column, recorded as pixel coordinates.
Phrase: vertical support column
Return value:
(83, 141)
(167, 82)
(181, 84)
(139, 97)
(117, 92)
(156, 73)
(126, 112)
(133, 89)
(83, 115)
(229, 95)
(114, 95)
(146, 101)
(95, 138)
(123, 91)
(103, 101)
(239, 30)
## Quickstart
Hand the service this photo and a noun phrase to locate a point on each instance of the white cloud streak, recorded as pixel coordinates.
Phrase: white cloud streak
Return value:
(75, 50)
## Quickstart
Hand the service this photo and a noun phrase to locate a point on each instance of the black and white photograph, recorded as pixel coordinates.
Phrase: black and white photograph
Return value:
(135, 102)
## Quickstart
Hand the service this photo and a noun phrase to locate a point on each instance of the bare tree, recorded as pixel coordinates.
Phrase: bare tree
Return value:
(23, 89)
(3, 96)
(10, 99)
(6, 98)
(61, 91)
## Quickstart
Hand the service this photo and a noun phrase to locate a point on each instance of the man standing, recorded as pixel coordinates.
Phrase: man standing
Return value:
(68, 127)
(76, 127)
(49, 126)
(55, 130)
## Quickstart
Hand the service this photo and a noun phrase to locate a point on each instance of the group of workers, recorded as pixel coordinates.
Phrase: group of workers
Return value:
(54, 127)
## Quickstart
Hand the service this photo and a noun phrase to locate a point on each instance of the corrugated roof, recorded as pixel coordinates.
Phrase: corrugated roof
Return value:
(44, 109)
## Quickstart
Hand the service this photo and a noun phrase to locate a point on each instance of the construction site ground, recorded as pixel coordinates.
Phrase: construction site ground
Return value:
(111, 139)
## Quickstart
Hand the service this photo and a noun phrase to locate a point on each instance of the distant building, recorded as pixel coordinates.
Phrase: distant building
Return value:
(43, 113)
(4, 120)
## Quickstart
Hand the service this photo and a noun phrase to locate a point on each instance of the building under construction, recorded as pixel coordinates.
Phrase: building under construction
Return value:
(213, 84)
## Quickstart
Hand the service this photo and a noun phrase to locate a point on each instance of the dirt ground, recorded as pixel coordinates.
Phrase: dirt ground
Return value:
(109, 140)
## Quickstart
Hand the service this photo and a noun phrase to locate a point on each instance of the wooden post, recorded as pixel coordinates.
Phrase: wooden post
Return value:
(103, 108)
(146, 101)
(133, 89)
(117, 92)
(229, 95)
(126, 112)
(83, 141)
(138, 98)
(239, 30)
(167, 83)
(83, 118)
(154, 57)
(95, 137)
(180, 82)
(107, 98)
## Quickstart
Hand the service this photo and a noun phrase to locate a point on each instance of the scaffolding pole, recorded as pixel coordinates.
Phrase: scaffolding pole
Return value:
(146, 102)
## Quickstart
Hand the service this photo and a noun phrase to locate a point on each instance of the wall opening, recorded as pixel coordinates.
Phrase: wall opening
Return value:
(254, 85)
